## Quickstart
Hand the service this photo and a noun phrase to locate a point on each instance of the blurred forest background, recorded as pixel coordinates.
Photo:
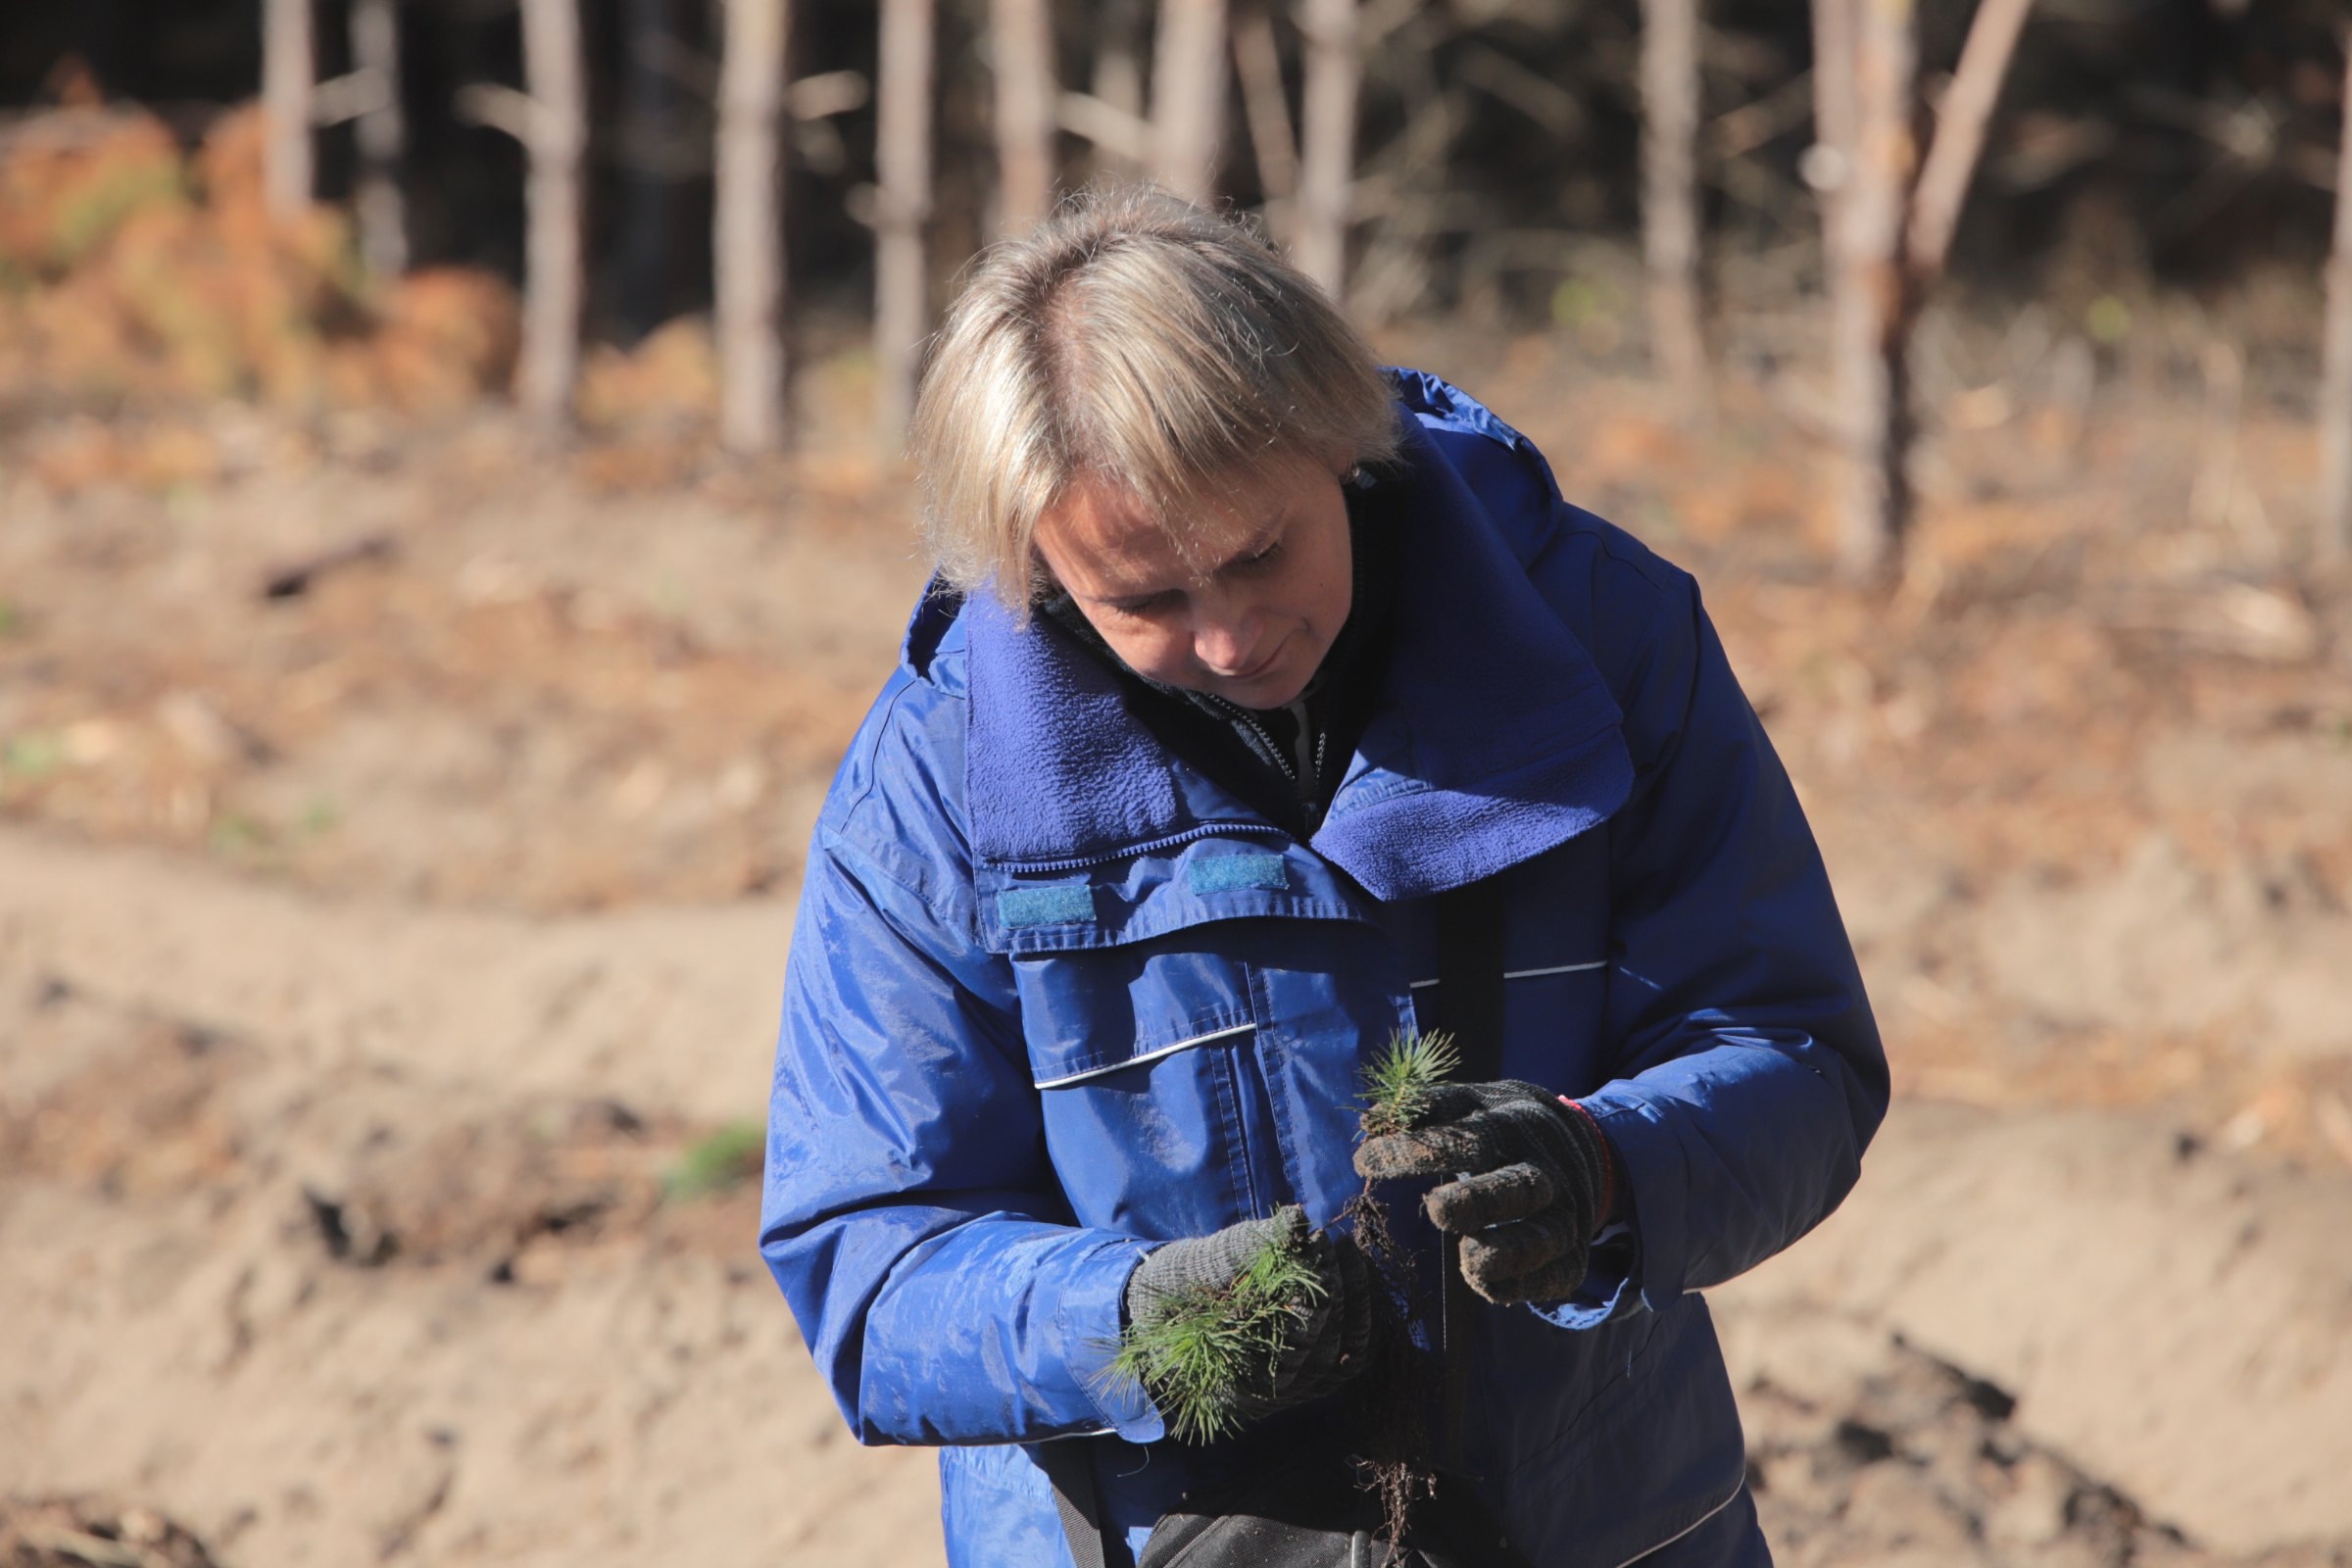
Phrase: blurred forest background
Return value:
(451, 523)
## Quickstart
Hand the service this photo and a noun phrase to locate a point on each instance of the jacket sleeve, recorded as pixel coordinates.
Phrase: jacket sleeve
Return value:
(909, 1213)
(1749, 1071)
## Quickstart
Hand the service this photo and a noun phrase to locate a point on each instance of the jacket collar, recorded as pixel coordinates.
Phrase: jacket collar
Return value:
(1492, 738)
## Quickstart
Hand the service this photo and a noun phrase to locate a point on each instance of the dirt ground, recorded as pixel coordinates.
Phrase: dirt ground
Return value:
(399, 831)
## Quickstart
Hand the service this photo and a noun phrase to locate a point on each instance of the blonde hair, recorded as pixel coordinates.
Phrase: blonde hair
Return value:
(1134, 341)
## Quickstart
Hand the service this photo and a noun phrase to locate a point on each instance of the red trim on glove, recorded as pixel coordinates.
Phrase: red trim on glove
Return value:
(1608, 1179)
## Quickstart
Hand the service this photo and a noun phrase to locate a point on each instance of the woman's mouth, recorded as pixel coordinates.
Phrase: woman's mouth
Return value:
(1255, 671)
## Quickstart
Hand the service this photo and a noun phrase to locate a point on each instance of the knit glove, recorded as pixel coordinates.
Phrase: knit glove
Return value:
(1333, 1336)
(1530, 1180)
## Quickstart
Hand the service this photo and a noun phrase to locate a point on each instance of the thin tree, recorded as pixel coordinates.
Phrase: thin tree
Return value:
(2335, 539)
(1829, 166)
(1266, 105)
(1670, 214)
(1888, 238)
(1966, 109)
(747, 226)
(1027, 109)
(903, 206)
(554, 280)
(1869, 303)
(1831, 155)
(381, 134)
(289, 77)
(1188, 96)
(550, 122)
(1334, 76)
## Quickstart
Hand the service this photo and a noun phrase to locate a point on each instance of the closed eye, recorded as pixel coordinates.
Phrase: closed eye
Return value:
(1260, 558)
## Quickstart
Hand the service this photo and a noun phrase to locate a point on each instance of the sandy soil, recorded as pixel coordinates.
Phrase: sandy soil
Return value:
(387, 971)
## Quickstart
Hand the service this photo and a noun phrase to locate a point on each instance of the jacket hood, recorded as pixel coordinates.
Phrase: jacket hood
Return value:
(1492, 738)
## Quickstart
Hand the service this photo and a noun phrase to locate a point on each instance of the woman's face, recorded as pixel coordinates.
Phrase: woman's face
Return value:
(1252, 621)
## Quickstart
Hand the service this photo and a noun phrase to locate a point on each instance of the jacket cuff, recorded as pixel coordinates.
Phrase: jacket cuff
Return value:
(1608, 1290)
(1656, 1192)
(1088, 1318)
(1615, 1255)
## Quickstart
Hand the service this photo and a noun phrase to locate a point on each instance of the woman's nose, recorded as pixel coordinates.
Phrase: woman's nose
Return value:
(1224, 634)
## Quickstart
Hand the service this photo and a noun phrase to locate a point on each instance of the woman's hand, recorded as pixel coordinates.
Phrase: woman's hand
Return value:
(1532, 1181)
(1327, 1336)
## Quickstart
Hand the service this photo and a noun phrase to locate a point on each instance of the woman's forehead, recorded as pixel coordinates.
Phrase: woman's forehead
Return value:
(1103, 541)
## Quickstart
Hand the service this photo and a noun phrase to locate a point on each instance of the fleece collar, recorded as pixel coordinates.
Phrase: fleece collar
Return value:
(1492, 738)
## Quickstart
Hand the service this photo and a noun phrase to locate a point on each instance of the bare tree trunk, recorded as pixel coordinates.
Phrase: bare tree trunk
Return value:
(1188, 96)
(1119, 77)
(1327, 141)
(1027, 118)
(1828, 167)
(1258, 60)
(1870, 295)
(1670, 216)
(1829, 164)
(289, 75)
(902, 158)
(2334, 538)
(747, 242)
(1951, 162)
(381, 132)
(1887, 238)
(554, 277)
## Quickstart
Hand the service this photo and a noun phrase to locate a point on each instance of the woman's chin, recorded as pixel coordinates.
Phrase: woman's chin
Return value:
(1278, 684)
(1277, 688)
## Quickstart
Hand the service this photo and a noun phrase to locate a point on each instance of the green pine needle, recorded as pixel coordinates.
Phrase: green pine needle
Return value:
(1397, 1081)
(1207, 1345)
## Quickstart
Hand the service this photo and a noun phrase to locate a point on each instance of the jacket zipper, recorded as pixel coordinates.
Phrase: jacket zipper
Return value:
(1208, 830)
(1265, 737)
(1305, 775)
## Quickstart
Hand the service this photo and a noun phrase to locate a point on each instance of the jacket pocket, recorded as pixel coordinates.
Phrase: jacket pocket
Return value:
(1142, 1057)
(1089, 1016)
(1194, 1033)
(1184, 1087)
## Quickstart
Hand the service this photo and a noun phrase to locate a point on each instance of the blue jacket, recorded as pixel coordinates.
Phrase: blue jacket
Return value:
(1056, 994)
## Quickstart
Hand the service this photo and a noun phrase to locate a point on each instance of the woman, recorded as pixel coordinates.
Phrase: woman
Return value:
(1243, 656)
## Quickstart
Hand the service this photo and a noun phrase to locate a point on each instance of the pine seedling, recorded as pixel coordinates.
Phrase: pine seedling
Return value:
(1394, 1090)
(1206, 1350)
(1399, 1080)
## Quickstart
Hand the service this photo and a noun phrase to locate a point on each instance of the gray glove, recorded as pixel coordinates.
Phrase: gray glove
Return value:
(1333, 1336)
(1532, 1181)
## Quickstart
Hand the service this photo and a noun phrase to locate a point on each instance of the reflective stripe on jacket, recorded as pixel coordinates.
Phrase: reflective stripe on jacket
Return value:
(1056, 994)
